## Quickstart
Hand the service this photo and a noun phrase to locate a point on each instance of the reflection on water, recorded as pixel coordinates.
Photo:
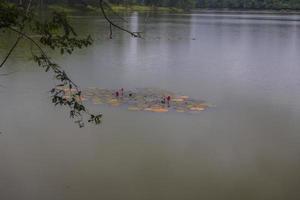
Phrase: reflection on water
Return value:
(245, 148)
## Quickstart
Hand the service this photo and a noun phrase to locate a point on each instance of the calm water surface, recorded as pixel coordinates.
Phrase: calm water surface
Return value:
(247, 147)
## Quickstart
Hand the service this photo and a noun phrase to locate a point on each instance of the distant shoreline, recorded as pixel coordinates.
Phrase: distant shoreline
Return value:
(141, 8)
(239, 11)
(117, 8)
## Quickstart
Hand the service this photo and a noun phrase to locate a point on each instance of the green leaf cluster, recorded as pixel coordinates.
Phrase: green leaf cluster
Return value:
(56, 33)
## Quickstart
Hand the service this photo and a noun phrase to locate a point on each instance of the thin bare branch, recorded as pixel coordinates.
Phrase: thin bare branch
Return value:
(17, 41)
(29, 38)
(134, 34)
(114, 12)
(10, 51)
(38, 46)
(28, 6)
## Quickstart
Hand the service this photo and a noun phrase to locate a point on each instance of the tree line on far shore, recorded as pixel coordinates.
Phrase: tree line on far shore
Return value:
(190, 4)
(250, 4)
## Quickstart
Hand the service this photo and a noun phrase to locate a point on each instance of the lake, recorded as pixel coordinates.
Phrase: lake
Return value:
(245, 147)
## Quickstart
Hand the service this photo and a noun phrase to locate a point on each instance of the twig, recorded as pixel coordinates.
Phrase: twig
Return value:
(115, 13)
(29, 38)
(17, 41)
(10, 51)
(38, 46)
(134, 34)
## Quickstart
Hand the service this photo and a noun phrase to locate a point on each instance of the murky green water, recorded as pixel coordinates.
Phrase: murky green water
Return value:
(247, 147)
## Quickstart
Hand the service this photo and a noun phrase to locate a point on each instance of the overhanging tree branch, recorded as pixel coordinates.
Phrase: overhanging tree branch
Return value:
(111, 10)
(56, 34)
(134, 34)
(18, 39)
